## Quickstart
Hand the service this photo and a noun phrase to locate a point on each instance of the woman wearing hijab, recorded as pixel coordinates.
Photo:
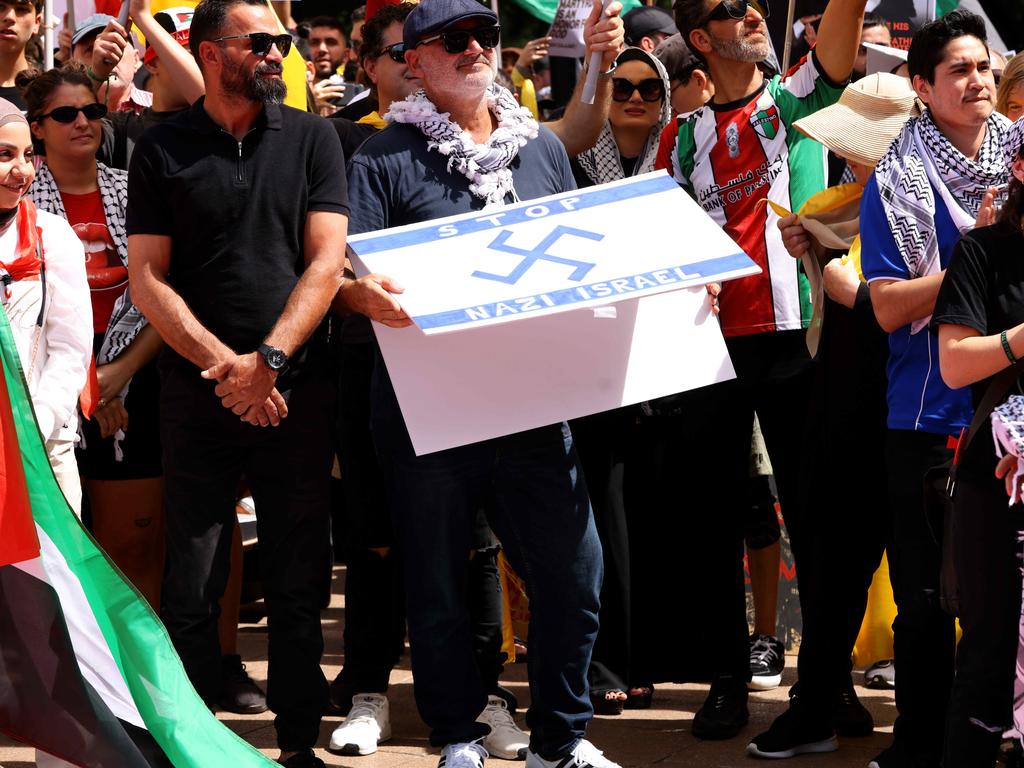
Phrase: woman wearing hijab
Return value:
(119, 454)
(639, 111)
(627, 147)
(45, 296)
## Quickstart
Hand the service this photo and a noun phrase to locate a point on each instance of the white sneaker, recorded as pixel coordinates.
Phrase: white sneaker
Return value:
(584, 755)
(367, 725)
(505, 740)
(466, 755)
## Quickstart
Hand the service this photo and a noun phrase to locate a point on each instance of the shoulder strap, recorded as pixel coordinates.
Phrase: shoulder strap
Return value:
(995, 394)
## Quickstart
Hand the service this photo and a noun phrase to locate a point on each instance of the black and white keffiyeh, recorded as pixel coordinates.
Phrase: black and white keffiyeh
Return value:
(921, 159)
(603, 162)
(485, 165)
(126, 320)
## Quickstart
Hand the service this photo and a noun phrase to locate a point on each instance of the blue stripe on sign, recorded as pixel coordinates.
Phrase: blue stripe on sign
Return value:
(516, 214)
(692, 274)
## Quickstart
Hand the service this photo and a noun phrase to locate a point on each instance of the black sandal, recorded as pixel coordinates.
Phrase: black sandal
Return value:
(605, 706)
(639, 697)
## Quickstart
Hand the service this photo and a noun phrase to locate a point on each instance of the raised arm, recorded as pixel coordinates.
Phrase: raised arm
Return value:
(175, 59)
(582, 123)
(839, 38)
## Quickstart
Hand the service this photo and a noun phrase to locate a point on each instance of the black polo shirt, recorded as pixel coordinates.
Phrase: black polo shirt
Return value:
(236, 211)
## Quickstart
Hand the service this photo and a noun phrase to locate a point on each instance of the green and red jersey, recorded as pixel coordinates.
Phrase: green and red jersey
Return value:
(732, 156)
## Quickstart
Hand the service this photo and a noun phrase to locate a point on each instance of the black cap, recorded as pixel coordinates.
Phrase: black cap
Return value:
(432, 16)
(676, 56)
(645, 21)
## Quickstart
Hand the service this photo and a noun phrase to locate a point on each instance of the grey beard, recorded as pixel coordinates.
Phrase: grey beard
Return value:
(739, 50)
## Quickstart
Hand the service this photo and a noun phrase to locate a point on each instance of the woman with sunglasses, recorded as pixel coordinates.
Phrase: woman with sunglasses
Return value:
(627, 146)
(119, 453)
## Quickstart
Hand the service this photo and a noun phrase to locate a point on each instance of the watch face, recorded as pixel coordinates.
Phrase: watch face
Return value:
(276, 359)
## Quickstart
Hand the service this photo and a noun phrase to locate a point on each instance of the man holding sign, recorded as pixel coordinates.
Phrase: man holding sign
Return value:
(417, 170)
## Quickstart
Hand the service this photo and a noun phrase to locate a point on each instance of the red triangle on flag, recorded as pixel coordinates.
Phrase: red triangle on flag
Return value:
(18, 541)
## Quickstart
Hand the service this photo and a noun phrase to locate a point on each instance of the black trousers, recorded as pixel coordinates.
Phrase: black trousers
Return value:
(773, 376)
(843, 478)
(986, 550)
(687, 480)
(374, 633)
(924, 635)
(207, 450)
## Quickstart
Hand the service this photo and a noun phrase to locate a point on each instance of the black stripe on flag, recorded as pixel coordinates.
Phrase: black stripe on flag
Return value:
(44, 699)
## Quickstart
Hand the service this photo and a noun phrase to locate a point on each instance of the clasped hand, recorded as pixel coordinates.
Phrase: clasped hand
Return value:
(245, 386)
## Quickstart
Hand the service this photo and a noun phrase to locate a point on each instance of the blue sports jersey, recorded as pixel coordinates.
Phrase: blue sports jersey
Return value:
(918, 397)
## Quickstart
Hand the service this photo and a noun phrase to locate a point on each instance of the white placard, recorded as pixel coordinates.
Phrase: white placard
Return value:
(508, 340)
(627, 239)
(460, 388)
(566, 31)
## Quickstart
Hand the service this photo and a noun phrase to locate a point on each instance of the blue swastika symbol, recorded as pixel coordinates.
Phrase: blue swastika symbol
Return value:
(539, 253)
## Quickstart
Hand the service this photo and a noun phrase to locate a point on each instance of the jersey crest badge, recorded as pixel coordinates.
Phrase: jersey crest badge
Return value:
(766, 122)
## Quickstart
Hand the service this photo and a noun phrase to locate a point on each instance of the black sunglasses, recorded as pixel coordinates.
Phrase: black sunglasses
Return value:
(261, 42)
(70, 114)
(395, 52)
(735, 9)
(457, 40)
(651, 89)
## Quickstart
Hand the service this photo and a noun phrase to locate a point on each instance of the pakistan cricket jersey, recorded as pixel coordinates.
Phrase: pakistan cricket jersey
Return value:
(732, 156)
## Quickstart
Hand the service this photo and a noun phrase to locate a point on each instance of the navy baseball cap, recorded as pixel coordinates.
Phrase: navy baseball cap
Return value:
(432, 16)
(645, 21)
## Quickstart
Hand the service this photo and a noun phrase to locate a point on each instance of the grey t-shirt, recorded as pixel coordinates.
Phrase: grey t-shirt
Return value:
(394, 180)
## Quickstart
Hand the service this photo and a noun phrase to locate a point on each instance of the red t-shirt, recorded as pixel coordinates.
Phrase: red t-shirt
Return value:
(108, 277)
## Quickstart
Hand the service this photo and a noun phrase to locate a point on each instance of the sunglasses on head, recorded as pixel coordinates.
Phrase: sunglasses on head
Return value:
(651, 89)
(735, 9)
(395, 52)
(70, 114)
(261, 42)
(457, 40)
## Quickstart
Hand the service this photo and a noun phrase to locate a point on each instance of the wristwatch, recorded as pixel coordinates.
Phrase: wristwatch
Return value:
(276, 360)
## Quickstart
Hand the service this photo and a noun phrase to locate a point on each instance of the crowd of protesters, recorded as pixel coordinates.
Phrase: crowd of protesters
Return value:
(172, 252)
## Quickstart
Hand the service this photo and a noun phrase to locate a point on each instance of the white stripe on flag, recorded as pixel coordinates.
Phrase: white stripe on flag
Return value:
(94, 658)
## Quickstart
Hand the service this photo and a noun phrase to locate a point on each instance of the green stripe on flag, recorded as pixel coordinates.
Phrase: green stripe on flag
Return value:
(545, 9)
(942, 7)
(174, 714)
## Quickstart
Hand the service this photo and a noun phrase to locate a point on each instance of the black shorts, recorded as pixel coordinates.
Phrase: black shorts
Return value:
(141, 445)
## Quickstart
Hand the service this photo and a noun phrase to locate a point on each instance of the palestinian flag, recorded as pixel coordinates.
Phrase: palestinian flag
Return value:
(87, 671)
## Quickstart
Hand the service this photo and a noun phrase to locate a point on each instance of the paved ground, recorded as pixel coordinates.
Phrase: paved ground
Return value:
(656, 737)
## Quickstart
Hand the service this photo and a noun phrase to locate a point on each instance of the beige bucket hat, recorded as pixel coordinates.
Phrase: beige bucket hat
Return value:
(866, 120)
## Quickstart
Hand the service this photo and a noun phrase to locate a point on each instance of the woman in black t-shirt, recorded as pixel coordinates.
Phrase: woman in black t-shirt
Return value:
(980, 318)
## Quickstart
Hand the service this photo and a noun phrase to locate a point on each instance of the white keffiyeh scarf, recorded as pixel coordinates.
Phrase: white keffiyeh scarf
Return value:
(921, 161)
(603, 162)
(485, 165)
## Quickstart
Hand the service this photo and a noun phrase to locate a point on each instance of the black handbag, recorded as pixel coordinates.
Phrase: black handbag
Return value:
(940, 485)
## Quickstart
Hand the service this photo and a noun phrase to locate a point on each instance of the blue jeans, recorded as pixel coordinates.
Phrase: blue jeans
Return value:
(532, 488)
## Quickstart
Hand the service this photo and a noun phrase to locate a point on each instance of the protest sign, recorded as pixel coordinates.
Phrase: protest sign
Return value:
(566, 31)
(551, 309)
(562, 252)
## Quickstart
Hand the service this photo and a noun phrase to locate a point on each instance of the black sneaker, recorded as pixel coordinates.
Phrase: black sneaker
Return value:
(305, 759)
(793, 734)
(852, 719)
(724, 711)
(239, 694)
(767, 660)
